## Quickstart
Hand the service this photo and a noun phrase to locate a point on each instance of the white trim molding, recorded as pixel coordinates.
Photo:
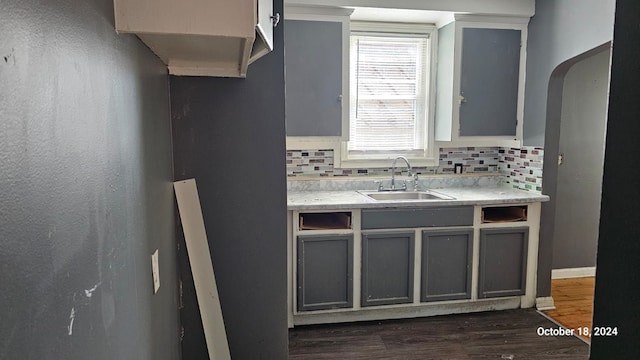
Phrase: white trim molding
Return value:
(573, 272)
(499, 7)
(310, 12)
(313, 142)
(545, 303)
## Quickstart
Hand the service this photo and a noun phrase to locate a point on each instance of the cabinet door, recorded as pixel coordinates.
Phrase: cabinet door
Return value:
(503, 262)
(387, 268)
(489, 82)
(325, 272)
(446, 264)
(313, 78)
(264, 27)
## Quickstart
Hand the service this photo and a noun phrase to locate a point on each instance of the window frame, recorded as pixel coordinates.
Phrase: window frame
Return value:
(343, 157)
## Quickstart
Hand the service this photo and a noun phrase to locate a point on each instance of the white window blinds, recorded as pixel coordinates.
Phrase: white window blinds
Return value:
(388, 93)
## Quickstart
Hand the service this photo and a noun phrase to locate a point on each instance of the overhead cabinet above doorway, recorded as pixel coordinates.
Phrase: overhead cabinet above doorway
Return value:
(198, 37)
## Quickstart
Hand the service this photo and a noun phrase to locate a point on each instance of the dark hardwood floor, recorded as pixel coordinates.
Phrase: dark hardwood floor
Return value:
(488, 335)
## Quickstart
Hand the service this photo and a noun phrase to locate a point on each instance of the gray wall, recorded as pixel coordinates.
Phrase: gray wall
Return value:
(560, 33)
(560, 30)
(617, 301)
(229, 134)
(85, 188)
(582, 132)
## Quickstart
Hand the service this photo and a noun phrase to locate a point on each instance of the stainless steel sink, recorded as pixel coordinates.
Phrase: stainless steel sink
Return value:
(405, 195)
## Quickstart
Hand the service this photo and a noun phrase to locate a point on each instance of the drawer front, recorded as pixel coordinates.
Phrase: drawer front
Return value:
(389, 218)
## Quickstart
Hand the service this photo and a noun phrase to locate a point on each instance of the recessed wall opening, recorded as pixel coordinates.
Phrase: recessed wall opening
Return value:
(573, 170)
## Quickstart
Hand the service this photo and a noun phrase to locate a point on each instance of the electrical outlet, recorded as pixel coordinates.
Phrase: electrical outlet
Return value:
(155, 270)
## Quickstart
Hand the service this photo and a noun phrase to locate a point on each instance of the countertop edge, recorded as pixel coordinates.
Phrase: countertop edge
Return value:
(360, 201)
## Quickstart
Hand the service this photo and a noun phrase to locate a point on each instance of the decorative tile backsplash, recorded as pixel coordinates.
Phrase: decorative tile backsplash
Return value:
(310, 163)
(472, 159)
(522, 167)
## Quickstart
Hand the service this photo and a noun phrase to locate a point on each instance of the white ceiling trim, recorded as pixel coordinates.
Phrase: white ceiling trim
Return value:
(494, 7)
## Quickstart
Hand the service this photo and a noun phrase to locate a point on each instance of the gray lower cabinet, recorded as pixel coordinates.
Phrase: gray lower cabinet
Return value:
(325, 272)
(387, 267)
(503, 262)
(446, 264)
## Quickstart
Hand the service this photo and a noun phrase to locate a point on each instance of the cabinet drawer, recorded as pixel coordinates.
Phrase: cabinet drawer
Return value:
(417, 217)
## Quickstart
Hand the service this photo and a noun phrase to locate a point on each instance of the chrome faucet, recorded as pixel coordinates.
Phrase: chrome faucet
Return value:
(393, 172)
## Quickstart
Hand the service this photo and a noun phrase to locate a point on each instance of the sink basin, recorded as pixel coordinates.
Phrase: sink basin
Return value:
(405, 195)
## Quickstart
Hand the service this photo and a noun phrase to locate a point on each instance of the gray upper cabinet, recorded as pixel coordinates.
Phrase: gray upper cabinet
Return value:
(313, 77)
(480, 80)
(387, 268)
(503, 262)
(489, 82)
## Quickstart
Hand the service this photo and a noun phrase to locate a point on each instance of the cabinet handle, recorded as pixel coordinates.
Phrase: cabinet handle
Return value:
(275, 19)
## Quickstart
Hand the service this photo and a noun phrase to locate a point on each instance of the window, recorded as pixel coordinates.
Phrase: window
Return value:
(389, 92)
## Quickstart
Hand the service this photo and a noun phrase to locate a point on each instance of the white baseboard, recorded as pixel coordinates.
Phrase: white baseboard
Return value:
(545, 303)
(573, 272)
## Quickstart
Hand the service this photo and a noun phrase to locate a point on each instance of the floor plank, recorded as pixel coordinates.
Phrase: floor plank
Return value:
(488, 335)
(573, 299)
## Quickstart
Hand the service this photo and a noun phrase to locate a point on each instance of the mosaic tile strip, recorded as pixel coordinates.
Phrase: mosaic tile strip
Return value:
(319, 162)
(522, 167)
(473, 159)
(310, 163)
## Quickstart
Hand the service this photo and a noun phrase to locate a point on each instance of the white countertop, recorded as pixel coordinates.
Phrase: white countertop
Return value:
(351, 199)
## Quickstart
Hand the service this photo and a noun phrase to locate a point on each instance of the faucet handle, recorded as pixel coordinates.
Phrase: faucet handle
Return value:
(416, 185)
(379, 184)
